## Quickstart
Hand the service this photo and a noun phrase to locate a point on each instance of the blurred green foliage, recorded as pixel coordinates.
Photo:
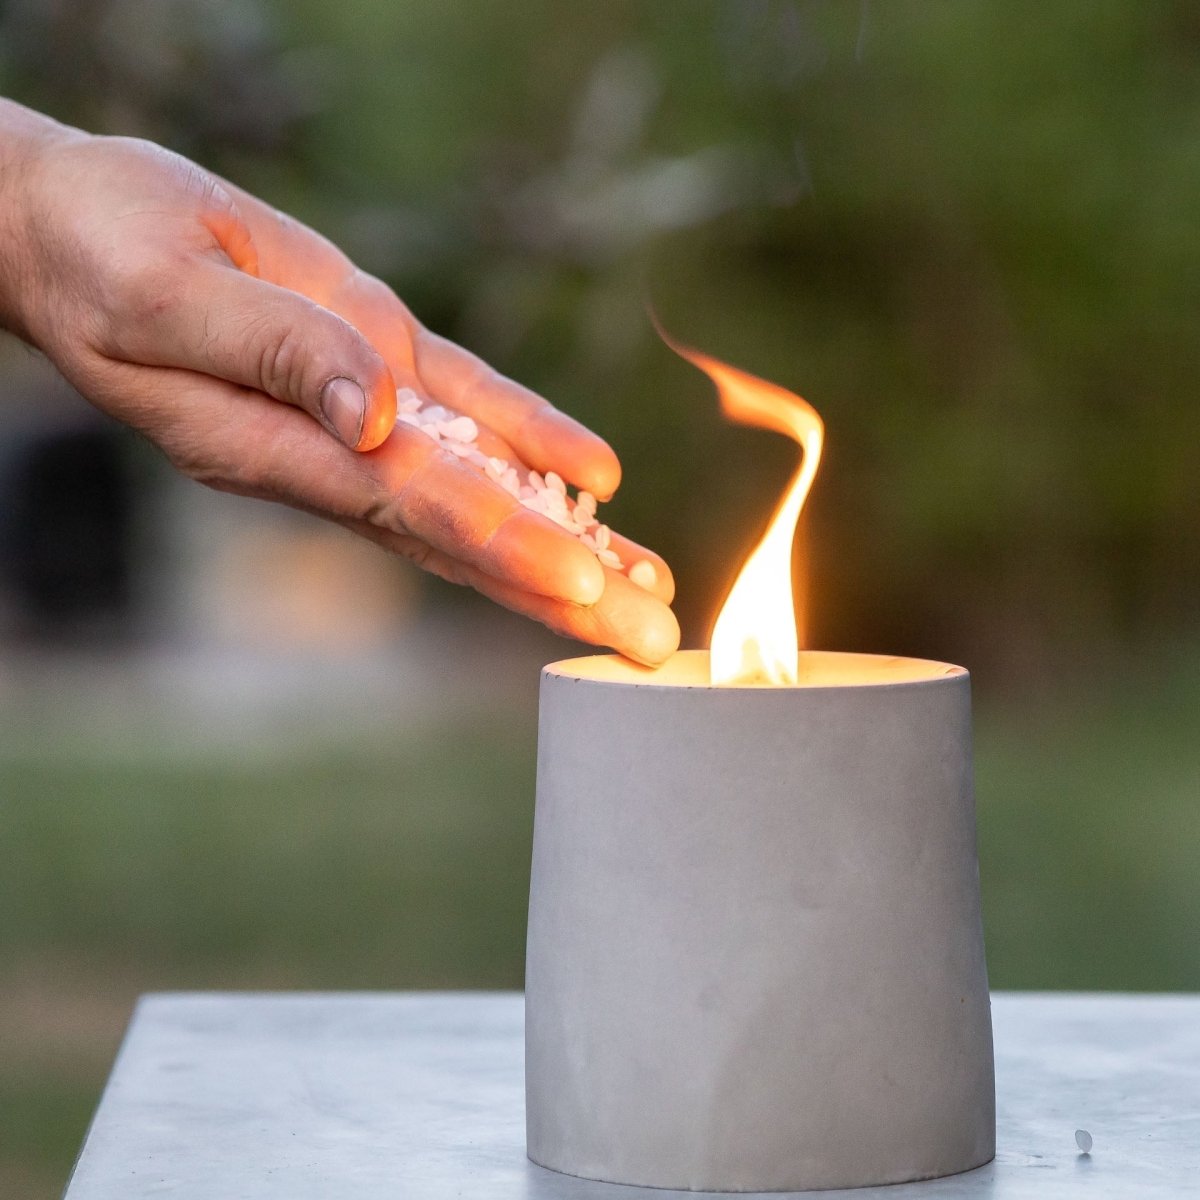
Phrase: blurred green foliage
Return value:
(967, 232)
(383, 859)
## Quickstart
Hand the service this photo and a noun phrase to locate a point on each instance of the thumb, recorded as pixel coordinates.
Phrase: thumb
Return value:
(221, 322)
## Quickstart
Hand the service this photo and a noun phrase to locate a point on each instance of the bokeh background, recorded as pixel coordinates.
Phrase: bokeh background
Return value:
(238, 750)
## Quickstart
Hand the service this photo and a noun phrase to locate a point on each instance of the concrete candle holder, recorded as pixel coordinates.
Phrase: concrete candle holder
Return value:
(755, 957)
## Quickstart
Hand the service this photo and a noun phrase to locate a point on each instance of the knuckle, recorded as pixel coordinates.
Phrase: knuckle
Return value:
(279, 357)
(536, 409)
(419, 554)
(139, 298)
(220, 475)
(423, 504)
(482, 380)
(431, 560)
(294, 359)
(379, 295)
(388, 513)
(359, 285)
(249, 470)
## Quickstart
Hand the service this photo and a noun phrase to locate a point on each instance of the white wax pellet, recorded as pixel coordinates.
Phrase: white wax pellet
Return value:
(554, 502)
(1083, 1140)
(461, 429)
(545, 494)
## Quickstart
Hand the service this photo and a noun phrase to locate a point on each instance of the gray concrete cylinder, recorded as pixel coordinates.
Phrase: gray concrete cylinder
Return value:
(755, 957)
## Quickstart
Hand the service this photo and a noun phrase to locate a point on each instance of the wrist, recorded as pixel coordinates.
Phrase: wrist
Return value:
(25, 138)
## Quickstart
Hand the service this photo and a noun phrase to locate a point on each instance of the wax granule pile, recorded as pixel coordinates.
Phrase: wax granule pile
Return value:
(546, 494)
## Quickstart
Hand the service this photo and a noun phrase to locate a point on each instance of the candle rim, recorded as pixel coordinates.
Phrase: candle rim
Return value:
(818, 672)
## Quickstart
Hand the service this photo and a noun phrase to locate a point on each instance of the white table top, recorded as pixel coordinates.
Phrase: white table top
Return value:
(419, 1095)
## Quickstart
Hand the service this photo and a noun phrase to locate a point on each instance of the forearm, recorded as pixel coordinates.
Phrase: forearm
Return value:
(24, 135)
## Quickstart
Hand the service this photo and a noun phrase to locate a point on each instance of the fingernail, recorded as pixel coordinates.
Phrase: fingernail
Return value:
(343, 405)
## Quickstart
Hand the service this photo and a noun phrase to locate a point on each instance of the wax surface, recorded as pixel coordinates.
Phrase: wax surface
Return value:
(818, 669)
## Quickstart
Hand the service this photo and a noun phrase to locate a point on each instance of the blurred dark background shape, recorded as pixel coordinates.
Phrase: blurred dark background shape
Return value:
(968, 233)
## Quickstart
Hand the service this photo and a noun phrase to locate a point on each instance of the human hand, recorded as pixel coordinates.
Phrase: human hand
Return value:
(239, 341)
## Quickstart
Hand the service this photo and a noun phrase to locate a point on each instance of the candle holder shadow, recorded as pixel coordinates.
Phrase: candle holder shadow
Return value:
(755, 957)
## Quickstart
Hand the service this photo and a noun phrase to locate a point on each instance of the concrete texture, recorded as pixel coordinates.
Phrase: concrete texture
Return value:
(755, 956)
(392, 1097)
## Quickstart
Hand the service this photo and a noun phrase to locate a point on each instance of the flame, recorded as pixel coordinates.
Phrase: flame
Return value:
(754, 640)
